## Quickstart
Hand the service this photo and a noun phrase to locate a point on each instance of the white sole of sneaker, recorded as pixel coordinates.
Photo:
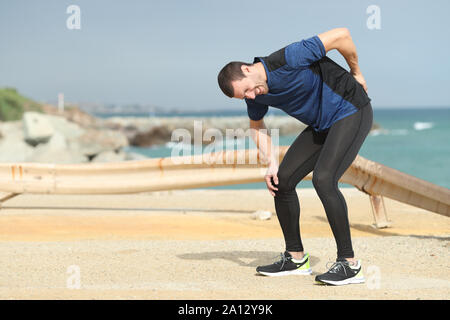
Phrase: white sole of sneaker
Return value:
(343, 282)
(304, 272)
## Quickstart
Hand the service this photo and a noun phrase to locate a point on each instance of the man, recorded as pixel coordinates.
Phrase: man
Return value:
(302, 81)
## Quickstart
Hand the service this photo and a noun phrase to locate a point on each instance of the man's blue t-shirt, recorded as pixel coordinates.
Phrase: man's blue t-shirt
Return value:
(307, 85)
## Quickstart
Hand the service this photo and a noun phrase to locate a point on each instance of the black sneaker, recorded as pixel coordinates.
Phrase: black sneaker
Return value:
(286, 266)
(342, 272)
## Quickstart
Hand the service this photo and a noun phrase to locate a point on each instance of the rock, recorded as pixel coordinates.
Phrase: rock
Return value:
(45, 154)
(37, 128)
(95, 141)
(158, 135)
(68, 129)
(67, 143)
(57, 142)
(134, 156)
(13, 148)
(130, 131)
(11, 129)
(109, 156)
(73, 114)
(56, 150)
(141, 124)
(88, 142)
(262, 215)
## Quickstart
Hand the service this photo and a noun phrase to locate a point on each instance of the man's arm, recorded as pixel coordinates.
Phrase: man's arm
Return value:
(264, 143)
(341, 40)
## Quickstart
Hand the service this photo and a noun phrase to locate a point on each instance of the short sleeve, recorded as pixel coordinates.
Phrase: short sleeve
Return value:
(256, 111)
(303, 53)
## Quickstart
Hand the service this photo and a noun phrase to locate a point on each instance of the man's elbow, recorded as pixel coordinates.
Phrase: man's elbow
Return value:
(334, 38)
(343, 33)
(258, 124)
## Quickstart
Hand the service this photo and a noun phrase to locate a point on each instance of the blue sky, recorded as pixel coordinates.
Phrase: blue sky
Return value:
(168, 53)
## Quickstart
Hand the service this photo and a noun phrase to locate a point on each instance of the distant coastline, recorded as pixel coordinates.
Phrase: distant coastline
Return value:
(229, 113)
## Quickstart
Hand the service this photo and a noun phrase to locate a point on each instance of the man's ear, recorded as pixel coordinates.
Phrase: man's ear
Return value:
(246, 69)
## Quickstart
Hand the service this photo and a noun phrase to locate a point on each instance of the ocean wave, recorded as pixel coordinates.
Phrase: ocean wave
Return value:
(399, 132)
(423, 125)
(394, 132)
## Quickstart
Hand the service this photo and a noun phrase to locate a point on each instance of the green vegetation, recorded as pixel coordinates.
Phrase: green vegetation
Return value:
(13, 105)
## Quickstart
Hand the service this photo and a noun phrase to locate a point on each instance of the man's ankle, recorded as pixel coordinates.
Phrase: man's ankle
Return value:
(297, 255)
(352, 261)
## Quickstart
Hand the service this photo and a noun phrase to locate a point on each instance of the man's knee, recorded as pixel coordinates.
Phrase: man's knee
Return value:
(284, 186)
(322, 180)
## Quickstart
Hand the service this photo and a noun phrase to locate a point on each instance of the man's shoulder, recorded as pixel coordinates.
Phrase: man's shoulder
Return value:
(275, 60)
(280, 57)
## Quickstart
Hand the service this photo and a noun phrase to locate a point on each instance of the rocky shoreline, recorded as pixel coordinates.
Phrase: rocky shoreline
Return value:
(77, 137)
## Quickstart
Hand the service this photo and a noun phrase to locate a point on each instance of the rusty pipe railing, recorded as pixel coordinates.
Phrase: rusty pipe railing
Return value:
(214, 169)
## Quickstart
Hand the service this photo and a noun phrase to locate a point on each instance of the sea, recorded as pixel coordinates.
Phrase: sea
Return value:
(415, 141)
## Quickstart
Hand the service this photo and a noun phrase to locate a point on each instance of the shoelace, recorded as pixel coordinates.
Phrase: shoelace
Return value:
(337, 266)
(282, 260)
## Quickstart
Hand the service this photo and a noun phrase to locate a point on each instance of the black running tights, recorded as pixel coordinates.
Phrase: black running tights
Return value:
(329, 153)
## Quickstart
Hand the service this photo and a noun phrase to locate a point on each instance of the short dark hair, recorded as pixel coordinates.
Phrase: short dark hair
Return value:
(231, 72)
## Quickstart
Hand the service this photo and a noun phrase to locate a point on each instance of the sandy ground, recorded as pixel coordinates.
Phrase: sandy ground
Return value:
(204, 244)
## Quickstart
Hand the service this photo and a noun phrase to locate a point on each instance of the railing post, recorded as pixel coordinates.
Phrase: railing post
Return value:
(379, 212)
